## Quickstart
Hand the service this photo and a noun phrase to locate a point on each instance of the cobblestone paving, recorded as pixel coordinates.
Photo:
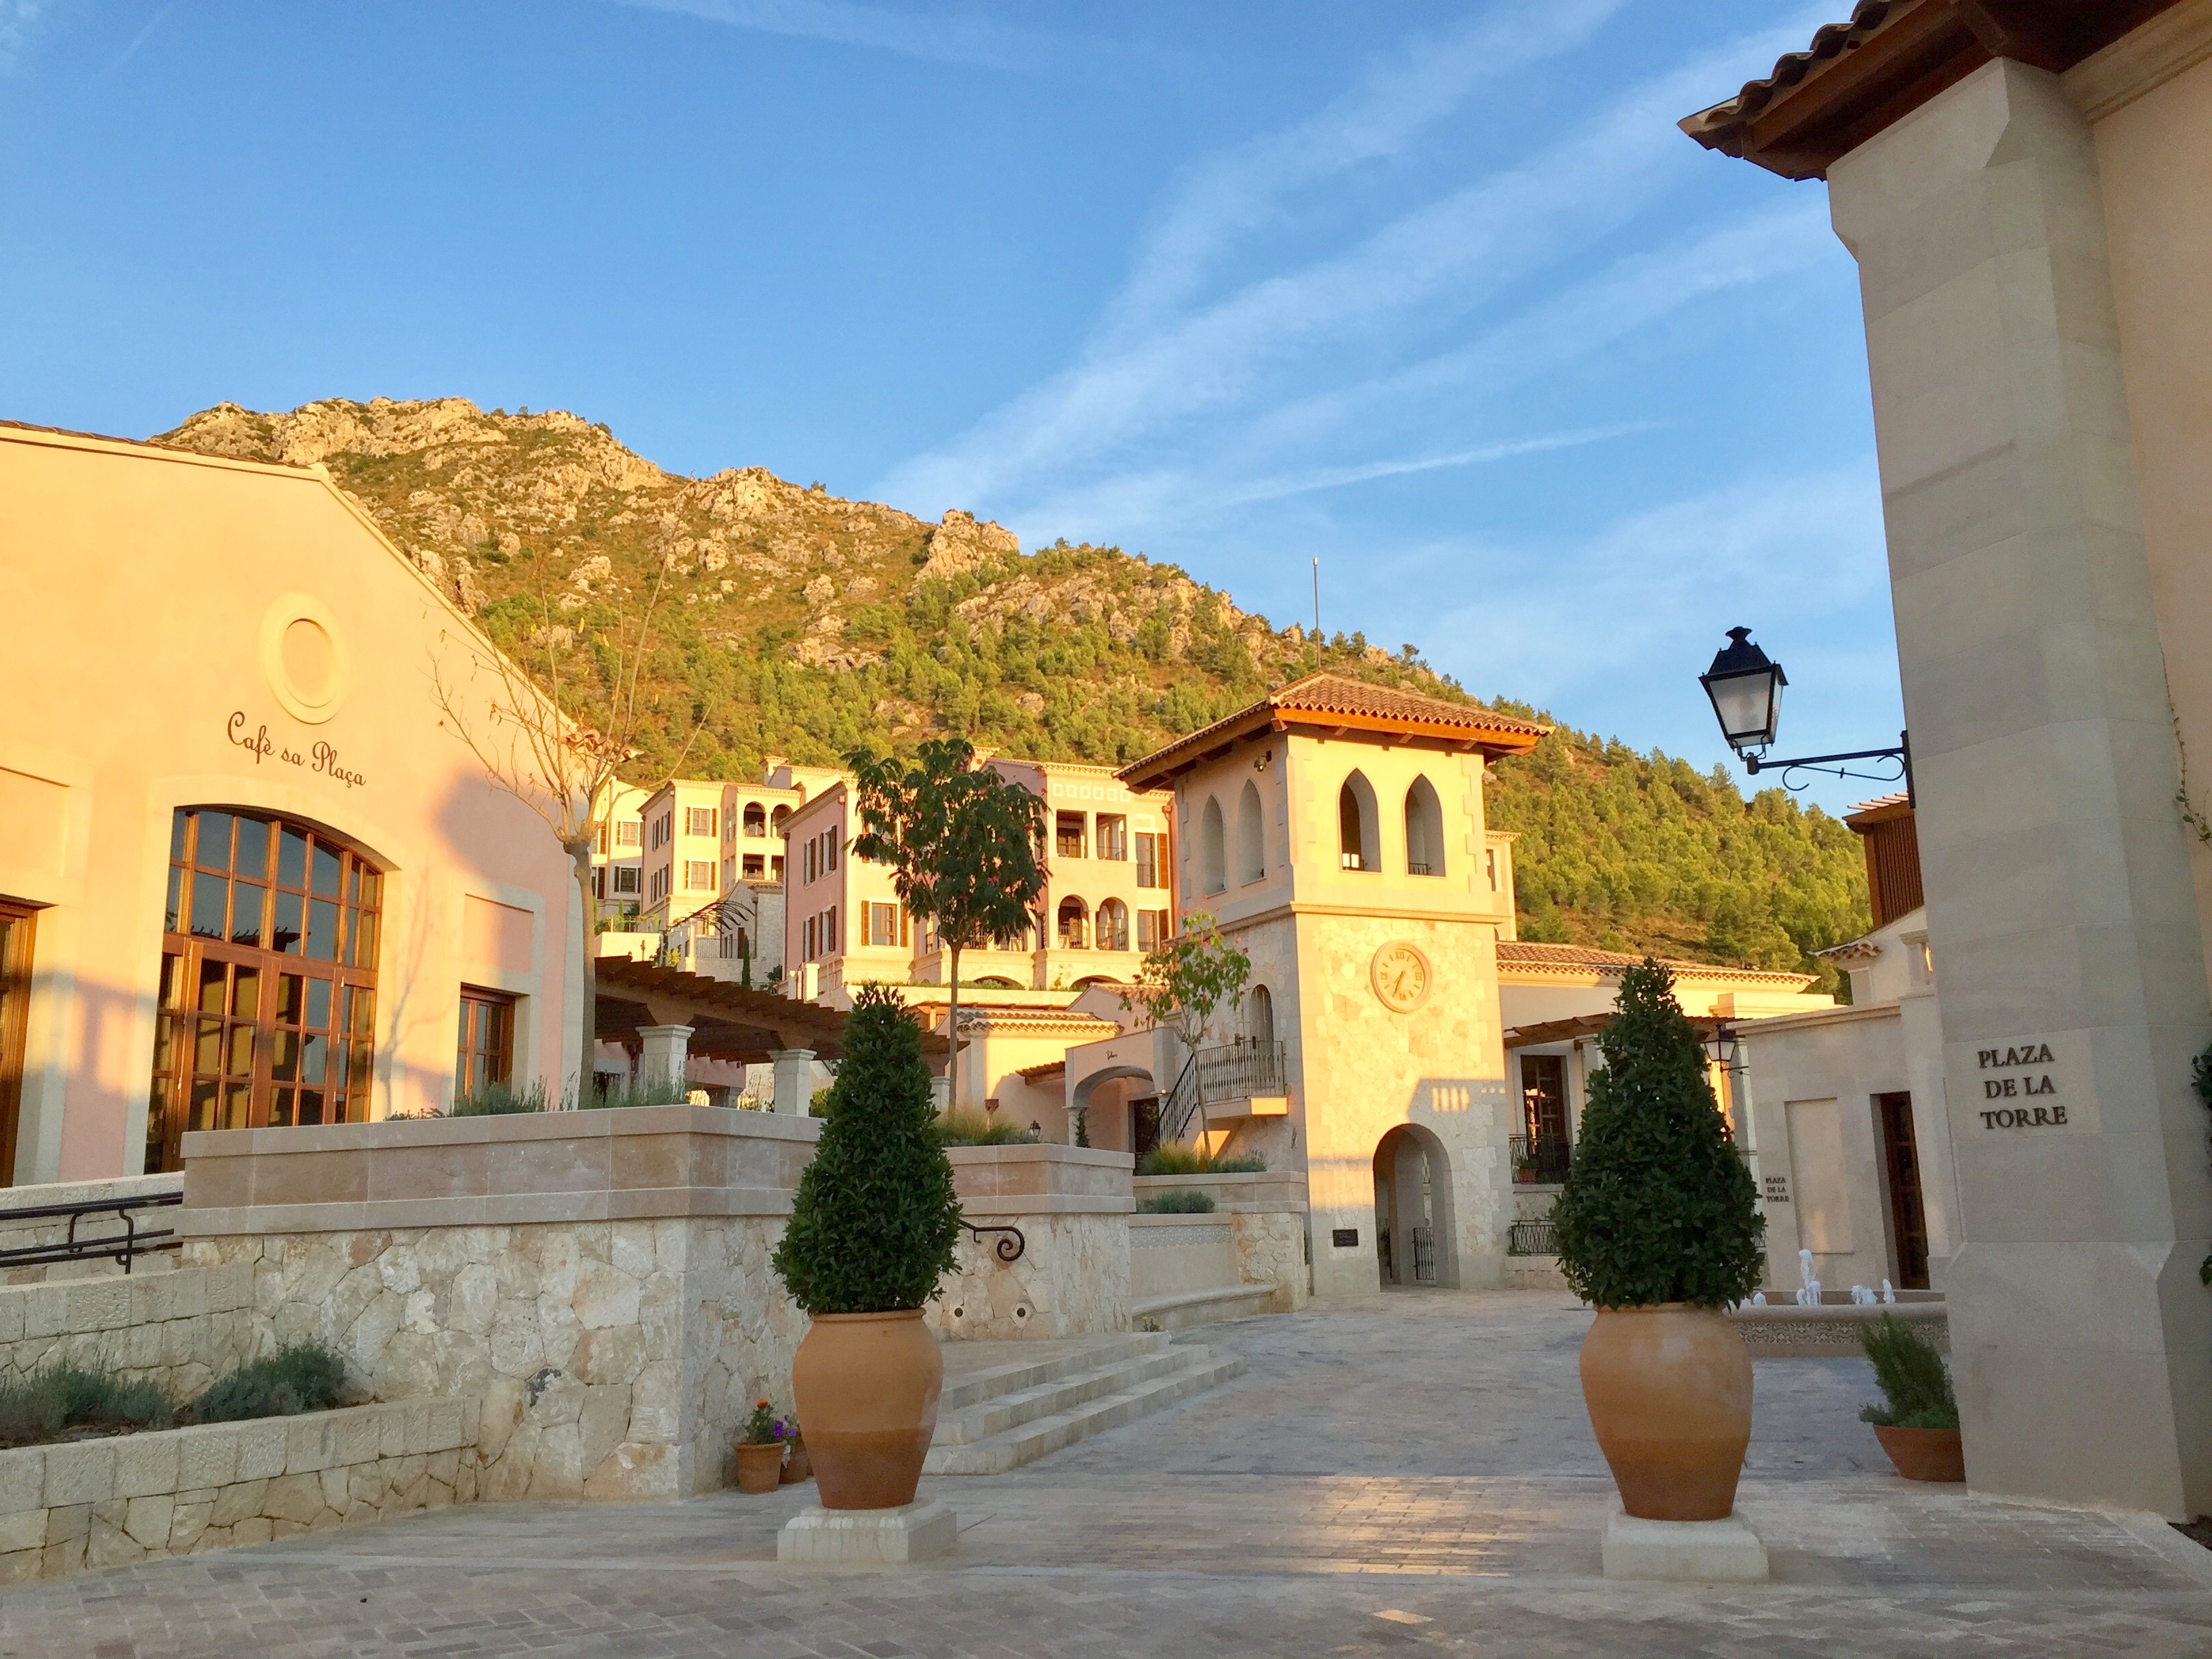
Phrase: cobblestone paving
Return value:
(1403, 1476)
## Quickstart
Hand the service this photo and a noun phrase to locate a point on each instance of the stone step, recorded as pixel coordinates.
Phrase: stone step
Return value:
(1025, 1442)
(1184, 1309)
(1001, 1412)
(972, 1388)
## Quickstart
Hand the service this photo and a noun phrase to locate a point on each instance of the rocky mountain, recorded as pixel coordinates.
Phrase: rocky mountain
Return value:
(796, 623)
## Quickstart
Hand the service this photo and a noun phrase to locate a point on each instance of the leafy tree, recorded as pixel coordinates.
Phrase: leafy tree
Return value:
(966, 849)
(550, 719)
(873, 1225)
(1190, 975)
(1657, 1206)
(1188, 978)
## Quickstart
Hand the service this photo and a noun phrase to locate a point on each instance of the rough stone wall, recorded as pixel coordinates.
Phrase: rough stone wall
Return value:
(1271, 1249)
(613, 1359)
(92, 1503)
(1072, 1279)
(181, 1329)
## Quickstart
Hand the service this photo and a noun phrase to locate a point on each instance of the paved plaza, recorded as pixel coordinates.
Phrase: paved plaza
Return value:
(1404, 1474)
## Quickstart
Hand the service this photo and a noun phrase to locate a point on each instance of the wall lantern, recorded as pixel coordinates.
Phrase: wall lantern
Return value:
(1722, 1044)
(1745, 690)
(1745, 686)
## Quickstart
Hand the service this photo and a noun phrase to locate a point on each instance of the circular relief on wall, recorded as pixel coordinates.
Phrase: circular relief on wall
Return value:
(1401, 976)
(303, 657)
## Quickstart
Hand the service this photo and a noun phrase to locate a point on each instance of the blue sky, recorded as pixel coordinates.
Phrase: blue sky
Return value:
(1434, 291)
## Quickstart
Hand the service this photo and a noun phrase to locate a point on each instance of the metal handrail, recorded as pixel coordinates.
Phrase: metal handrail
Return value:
(1238, 1071)
(132, 1244)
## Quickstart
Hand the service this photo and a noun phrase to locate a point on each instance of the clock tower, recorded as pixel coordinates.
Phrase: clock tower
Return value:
(1336, 831)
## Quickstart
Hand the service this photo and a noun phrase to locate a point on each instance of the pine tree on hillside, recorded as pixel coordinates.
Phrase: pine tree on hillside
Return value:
(1658, 1206)
(873, 1227)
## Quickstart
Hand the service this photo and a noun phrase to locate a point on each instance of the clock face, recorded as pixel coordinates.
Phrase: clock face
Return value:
(1401, 976)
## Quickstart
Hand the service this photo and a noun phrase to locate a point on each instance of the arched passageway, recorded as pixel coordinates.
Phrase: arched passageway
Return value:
(1414, 1237)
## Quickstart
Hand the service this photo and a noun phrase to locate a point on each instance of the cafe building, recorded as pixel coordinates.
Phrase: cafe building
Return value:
(249, 874)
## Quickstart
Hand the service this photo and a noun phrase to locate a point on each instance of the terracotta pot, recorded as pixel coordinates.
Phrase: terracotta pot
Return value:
(1669, 1390)
(798, 1467)
(760, 1467)
(1924, 1454)
(867, 1388)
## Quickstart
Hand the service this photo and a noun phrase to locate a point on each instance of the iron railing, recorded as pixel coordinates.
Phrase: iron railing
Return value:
(1528, 1237)
(121, 1248)
(1542, 1159)
(1234, 1070)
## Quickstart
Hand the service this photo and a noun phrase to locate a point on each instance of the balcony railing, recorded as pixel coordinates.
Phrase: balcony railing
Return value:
(1235, 1071)
(1239, 1071)
(1543, 1160)
(1526, 1237)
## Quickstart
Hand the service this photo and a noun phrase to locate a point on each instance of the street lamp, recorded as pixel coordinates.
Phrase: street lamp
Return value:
(1745, 686)
(1745, 689)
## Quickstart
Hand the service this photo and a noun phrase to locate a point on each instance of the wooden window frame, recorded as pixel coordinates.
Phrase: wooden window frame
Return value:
(476, 1003)
(15, 1025)
(239, 1064)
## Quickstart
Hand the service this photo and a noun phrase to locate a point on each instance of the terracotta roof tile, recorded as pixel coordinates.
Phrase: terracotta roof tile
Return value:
(1374, 707)
(1568, 958)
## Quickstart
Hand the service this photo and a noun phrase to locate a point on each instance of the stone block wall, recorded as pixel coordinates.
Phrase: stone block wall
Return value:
(613, 1359)
(181, 1329)
(1072, 1205)
(1266, 1211)
(600, 1280)
(92, 1503)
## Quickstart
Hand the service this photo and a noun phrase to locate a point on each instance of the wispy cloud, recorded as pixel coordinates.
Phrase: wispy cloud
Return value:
(1807, 544)
(1335, 478)
(17, 19)
(1448, 256)
(140, 39)
(1238, 190)
(952, 34)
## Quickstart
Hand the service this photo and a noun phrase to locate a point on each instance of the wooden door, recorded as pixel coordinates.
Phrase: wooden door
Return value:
(1908, 1222)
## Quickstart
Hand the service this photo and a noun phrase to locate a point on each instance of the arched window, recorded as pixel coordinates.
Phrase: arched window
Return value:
(1073, 919)
(777, 819)
(269, 952)
(755, 818)
(1113, 924)
(1359, 843)
(1212, 849)
(1251, 838)
(1424, 831)
(1259, 1016)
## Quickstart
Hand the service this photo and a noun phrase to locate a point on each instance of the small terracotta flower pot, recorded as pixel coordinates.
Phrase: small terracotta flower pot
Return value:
(866, 1387)
(1669, 1390)
(1923, 1454)
(759, 1468)
(798, 1466)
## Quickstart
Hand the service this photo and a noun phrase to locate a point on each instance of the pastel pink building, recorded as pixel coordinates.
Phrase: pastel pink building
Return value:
(246, 877)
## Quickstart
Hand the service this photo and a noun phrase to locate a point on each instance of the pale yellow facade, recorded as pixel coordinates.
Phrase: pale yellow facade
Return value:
(228, 652)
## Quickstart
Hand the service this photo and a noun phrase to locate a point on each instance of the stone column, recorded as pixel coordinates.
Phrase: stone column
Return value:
(2061, 916)
(664, 1053)
(794, 1075)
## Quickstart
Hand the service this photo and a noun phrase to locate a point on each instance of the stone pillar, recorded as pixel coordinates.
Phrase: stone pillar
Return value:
(664, 1053)
(2061, 916)
(794, 1078)
(940, 1093)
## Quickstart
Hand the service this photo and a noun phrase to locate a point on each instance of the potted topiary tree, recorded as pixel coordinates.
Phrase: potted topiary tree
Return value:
(870, 1233)
(1658, 1227)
